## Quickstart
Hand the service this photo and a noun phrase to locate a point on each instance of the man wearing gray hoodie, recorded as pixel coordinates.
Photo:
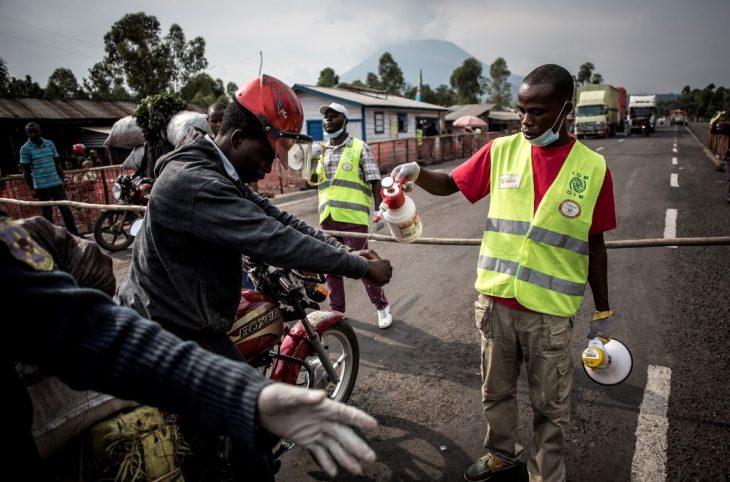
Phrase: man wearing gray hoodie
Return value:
(202, 216)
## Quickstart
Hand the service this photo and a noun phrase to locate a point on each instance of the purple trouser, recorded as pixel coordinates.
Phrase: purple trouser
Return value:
(335, 283)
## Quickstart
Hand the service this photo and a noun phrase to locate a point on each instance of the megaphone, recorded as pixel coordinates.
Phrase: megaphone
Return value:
(300, 158)
(607, 363)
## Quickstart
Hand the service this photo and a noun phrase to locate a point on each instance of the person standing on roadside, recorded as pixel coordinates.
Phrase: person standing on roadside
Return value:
(551, 200)
(42, 171)
(348, 180)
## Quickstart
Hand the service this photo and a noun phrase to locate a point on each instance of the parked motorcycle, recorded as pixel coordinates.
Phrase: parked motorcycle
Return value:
(111, 229)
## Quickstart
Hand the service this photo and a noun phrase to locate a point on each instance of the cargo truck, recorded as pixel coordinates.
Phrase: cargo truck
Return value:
(600, 110)
(642, 108)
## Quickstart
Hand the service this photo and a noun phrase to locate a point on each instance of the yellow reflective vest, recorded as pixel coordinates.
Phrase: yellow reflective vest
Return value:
(539, 258)
(345, 198)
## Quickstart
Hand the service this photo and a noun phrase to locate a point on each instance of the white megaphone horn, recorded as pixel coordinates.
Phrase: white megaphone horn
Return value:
(607, 362)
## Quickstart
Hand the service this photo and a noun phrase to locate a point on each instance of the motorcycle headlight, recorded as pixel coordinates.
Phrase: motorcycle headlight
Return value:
(117, 191)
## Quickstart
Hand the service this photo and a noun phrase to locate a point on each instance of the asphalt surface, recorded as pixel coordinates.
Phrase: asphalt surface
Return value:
(420, 378)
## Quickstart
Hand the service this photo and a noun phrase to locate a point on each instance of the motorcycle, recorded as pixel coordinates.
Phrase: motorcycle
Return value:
(111, 229)
(645, 130)
(320, 351)
(279, 330)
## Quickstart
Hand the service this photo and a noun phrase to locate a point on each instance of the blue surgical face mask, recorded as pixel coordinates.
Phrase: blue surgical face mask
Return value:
(549, 136)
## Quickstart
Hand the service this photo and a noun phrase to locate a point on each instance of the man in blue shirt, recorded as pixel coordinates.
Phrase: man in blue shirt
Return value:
(43, 174)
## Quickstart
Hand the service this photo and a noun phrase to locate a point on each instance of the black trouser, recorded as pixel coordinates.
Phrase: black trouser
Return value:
(56, 193)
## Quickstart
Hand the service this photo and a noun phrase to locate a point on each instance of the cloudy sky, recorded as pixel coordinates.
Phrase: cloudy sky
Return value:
(645, 45)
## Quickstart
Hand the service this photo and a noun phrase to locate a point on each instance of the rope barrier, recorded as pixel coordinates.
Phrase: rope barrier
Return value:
(75, 204)
(617, 244)
(624, 243)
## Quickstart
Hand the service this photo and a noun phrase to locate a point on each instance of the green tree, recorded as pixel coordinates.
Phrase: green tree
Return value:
(24, 87)
(328, 78)
(468, 82)
(373, 81)
(597, 79)
(62, 84)
(201, 89)
(498, 89)
(391, 76)
(4, 78)
(133, 45)
(105, 83)
(445, 95)
(585, 73)
(188, 58)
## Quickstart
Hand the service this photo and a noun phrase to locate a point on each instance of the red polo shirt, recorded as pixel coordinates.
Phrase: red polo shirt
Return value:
(473, 179)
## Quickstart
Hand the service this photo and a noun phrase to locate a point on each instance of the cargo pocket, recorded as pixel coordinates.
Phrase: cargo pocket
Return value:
(565, 382)
(483, 315)
(557, 332)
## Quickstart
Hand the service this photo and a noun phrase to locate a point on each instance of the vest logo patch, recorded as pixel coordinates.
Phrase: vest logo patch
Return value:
(347, 166)
(577, 185)
(509, 181)
(570, 209)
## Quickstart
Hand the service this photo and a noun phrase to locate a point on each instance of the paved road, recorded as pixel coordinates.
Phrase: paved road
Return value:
(420, 378)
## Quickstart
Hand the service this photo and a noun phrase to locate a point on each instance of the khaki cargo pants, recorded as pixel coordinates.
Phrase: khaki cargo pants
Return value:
(510, 337)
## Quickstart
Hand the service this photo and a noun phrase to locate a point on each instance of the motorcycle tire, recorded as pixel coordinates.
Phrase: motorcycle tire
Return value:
(110, 236)
(340, 342)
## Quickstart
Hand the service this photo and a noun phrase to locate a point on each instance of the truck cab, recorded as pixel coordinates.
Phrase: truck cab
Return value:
(642, 110)
(599, 110)
(678, 117)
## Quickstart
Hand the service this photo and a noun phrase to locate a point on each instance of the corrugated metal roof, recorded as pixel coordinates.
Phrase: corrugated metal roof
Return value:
(63, 109)
(468, 109)
(503, 115)
(367, 100)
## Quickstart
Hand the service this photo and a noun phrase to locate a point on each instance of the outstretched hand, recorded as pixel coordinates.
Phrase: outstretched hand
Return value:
(323, 426)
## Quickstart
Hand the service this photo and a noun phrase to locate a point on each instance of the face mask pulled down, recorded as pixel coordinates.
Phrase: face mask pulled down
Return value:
(549, 136)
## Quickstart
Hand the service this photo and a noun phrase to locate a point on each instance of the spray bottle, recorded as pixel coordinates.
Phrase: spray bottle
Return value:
(399, 212)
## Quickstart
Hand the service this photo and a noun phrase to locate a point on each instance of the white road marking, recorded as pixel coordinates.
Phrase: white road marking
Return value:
(674, 180)
(650, 456)
(674, 150)
(670, 225)
(620, 140)
(599, 148)
(674, 161)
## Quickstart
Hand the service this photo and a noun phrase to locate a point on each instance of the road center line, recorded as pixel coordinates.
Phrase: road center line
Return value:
(674, 161)
(620, 140)
(670, 225)
(599, 148)
(674, 150)
(674, 180)
(650, 456)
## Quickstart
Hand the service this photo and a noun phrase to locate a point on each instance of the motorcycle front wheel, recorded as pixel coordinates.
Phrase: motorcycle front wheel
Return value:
(340, 343)
(111, 230)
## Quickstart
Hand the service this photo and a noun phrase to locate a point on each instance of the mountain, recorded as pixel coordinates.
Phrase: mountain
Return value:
(437, 59)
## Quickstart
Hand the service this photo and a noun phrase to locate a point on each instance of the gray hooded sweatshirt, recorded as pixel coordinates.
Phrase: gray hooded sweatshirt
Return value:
(186, 266)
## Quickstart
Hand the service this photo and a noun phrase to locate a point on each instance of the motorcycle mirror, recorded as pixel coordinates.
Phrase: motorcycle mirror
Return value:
(136, 226)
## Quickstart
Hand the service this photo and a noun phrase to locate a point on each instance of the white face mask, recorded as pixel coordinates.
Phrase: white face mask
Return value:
(549, 136)
(335, 134)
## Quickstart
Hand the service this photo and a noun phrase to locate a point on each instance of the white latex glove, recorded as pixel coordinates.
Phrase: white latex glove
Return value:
(323, 426)
(410, 171)
(378, 226)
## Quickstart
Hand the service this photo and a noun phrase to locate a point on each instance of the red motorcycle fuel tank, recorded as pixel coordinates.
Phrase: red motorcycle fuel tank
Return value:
(259, 324)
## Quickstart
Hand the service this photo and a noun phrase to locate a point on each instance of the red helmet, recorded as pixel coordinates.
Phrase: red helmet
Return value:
(280, 112)
(78, 149)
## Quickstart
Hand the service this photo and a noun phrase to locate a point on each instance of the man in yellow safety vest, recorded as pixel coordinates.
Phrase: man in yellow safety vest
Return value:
(551, 200)
(348, 180)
